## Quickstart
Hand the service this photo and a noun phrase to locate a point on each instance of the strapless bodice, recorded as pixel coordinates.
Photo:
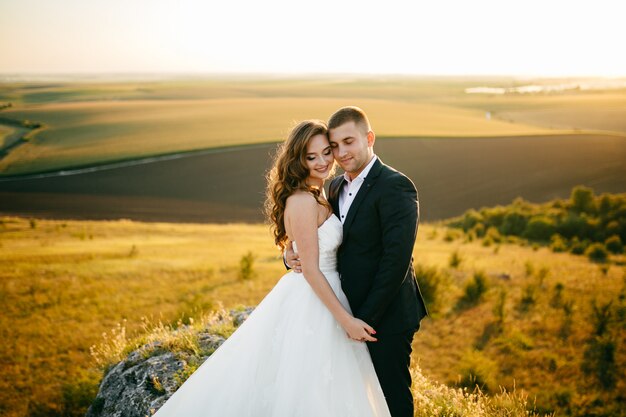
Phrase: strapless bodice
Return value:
(329, 235)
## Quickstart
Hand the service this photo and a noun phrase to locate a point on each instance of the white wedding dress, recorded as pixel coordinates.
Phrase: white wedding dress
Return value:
(290, 358)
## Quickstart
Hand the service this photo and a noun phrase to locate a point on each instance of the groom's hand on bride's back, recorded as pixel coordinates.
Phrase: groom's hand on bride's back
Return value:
(291, 259)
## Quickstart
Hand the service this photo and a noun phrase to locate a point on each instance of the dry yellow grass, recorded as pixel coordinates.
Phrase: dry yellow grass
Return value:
(64, 283)
(592, 111)
(87, 132)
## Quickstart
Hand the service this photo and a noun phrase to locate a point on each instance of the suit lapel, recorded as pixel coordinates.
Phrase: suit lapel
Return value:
(369, 182)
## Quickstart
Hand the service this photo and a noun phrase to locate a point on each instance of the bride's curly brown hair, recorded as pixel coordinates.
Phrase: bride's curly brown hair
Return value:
(288, 175)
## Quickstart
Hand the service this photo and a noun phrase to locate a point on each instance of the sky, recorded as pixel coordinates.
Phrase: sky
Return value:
(433, 37)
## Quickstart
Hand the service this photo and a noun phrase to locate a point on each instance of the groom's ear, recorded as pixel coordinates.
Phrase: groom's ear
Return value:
(371, 138)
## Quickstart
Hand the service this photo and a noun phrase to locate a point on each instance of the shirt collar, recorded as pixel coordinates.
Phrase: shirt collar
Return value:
(363, 174)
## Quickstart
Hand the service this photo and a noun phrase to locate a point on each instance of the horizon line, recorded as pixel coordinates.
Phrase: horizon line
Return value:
(134, 75)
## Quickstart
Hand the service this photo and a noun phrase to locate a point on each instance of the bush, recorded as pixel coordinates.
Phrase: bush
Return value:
(494, 235)
(246, 266)
(470, 219)
(566, 325)
(575, 225)
(474, 290)
(455, 259)
(599, 361)
(582, 200)
(478, 370)
(597, 252)
(557, 243)
(529, 297)
(499, 308)
(479, 230)
(514, 223)
(577, 247)
(557, 296)
(614, 244)
(431, 283)
(78, 396)
(539, 228)
(451, 235)
(601, 317)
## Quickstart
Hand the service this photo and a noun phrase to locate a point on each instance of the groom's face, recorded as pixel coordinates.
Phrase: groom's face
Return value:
(352, 147)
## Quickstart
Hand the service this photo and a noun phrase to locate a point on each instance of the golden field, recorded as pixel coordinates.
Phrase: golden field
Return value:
(67, 283)
(87, 133)
(88, 123)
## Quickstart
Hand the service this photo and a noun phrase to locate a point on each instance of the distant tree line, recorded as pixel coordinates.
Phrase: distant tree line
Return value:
(583, 224)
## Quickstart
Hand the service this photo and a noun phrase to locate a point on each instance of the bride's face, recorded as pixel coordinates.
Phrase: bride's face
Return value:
(319, 157)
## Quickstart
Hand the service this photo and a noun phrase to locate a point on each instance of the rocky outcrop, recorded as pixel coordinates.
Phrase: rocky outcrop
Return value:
(140, 384)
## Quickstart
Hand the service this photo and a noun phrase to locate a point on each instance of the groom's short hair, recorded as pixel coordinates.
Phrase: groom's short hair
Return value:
(350, 114)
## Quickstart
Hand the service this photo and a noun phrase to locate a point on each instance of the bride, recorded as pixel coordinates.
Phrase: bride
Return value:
(301, 353)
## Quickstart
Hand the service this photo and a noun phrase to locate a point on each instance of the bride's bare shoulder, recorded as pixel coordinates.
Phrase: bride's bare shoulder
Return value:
(301, 199)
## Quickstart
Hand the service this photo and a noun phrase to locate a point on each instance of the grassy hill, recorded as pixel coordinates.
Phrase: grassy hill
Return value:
(95, 122)
(511, 313)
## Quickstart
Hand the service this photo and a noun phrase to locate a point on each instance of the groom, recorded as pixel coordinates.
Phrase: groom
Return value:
(379, 209)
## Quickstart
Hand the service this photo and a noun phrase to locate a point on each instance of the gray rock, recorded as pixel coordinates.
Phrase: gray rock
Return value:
(140, 384)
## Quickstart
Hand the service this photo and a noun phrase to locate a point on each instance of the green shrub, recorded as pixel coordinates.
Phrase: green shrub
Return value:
(515, 341)
(566, 324)
(477, 370)
(582, 200)
(514, 223)
(493, 234)
(597, 252)
(432, 283)
(529, 297)
(575, 225)
(614, 244)
(470, 219)
(601, 316)
(599, 361)
(474, 290)
(455, 259)
(577, 247)
(499, 310)
(612, 228)
(557, 295)
(451, 235)
(539, 228)
(557, 243)
(246, 266)
(479, 230)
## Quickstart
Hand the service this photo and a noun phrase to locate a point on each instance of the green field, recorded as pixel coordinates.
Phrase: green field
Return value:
(89, 123)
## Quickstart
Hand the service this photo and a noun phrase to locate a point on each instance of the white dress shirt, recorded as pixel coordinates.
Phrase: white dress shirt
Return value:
(351, 188)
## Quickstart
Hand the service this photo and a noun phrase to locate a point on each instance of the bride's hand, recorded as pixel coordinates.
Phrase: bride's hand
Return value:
(359, 330)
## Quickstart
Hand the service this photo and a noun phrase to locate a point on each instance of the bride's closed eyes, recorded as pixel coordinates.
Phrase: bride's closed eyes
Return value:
(326, 152)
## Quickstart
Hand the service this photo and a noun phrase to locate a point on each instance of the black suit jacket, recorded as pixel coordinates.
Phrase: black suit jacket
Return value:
(375, 257)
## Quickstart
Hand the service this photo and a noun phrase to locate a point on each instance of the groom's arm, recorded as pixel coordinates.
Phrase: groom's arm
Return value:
(291, 258)
(399, 217)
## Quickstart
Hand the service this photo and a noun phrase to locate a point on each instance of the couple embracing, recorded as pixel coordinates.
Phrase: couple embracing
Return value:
(333, 337)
